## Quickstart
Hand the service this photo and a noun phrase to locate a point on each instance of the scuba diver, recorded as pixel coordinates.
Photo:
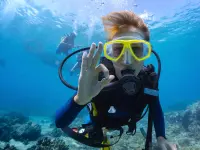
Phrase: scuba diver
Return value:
(66, 44)
(78, 63)
(117, 90)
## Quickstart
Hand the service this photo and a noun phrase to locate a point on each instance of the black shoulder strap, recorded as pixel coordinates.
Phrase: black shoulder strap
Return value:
(150, 84)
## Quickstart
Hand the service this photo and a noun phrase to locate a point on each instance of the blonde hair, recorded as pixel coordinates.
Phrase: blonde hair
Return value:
(116, 22)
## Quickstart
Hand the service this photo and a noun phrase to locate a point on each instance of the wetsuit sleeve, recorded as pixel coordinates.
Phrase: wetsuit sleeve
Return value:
(67, 113)
(158, 117)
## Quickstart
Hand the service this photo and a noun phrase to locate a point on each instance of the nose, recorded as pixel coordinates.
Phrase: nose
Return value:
(128, 59)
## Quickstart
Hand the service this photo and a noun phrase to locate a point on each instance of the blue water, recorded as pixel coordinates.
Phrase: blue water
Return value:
(29, 82)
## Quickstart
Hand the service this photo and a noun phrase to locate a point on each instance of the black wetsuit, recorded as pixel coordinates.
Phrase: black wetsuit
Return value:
(122, 106)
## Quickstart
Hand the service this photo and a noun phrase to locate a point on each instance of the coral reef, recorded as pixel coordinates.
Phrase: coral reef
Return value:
(9, 147)
(29, 131)
(17, 126)
(17, 132)
(49, 143)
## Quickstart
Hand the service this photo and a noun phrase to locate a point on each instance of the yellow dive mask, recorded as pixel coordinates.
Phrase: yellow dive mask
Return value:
(138, 48)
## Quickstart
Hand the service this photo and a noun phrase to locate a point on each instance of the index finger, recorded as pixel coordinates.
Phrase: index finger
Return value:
(97, 55)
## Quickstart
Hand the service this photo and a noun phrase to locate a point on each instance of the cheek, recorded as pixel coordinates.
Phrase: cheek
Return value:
(119, 64)
(138, 65)
(141, 65)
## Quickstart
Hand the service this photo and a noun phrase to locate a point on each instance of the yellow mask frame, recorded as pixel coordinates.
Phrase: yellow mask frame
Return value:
(127, 45)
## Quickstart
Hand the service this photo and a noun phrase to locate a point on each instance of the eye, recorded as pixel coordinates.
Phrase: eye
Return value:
(137, 49)
(117, 48)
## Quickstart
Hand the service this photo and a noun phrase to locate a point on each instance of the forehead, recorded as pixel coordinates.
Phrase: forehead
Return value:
(129, 34)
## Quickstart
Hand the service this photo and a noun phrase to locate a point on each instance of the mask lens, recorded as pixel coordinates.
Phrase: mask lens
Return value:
(140, 49)
(114, 50)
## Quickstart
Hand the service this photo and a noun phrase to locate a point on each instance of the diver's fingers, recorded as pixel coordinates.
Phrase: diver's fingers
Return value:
(102, 68)
(97, 55)
(105, 81)
(108, 78)
(84, 64)
(91, 53)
